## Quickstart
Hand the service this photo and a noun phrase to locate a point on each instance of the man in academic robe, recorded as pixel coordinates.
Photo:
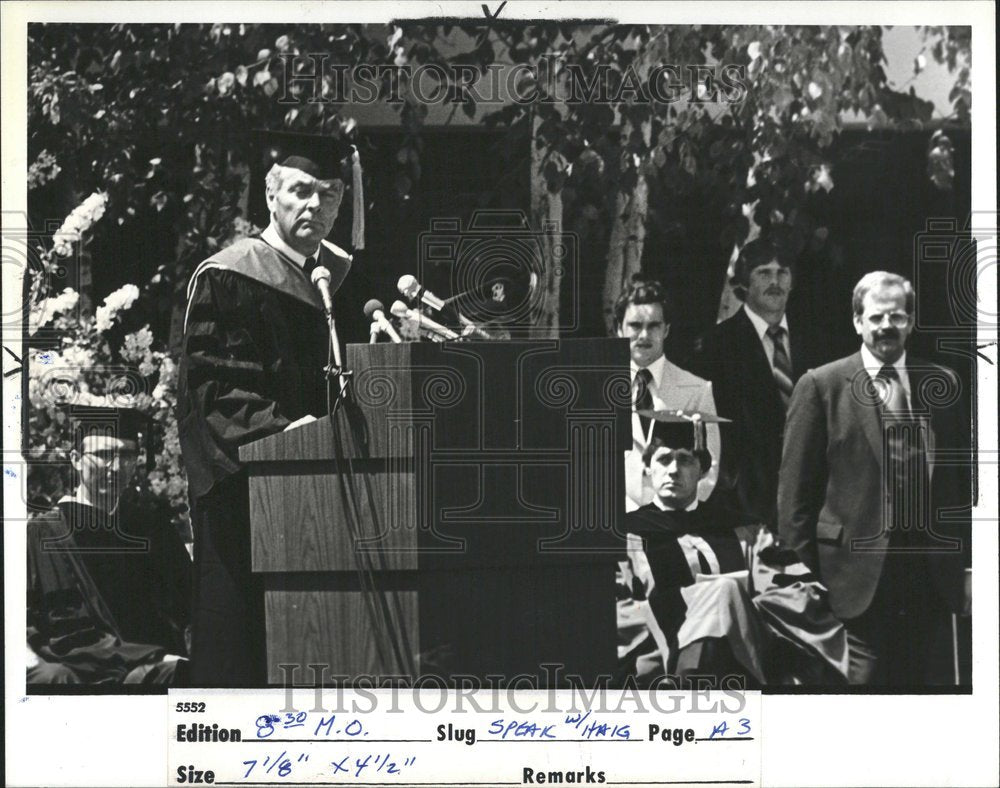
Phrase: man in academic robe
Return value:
(643, 316)
(109, 582)
(875, 493)
(753, 360)
(255, 347)
(704, 591)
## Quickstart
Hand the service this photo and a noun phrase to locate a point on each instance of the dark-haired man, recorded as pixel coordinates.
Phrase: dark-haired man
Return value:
(697, 577)
(753, 361)
(255, 347)
(864, 495)
(643, 317)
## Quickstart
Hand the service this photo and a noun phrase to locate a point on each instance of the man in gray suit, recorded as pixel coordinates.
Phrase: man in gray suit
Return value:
(863, 489)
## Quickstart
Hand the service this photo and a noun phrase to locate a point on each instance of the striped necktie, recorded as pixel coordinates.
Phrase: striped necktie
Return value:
(781, 366)
(894, 398)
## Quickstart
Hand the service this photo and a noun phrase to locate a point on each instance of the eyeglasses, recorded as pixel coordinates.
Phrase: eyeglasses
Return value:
(113, 456)
(896, 319)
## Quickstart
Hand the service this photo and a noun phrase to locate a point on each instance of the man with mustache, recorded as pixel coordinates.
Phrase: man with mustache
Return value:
(753, 361)
(643, 318)
(255, 347)
(873, 487)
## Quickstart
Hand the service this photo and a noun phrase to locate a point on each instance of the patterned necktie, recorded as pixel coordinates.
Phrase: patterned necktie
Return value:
(893, 395)
(309, 266)
(905, 459)
(642, 395)
(781, 366)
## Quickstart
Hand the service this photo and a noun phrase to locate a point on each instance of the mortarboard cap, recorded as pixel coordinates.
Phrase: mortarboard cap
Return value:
(324, 157)
(121, 423)
(680, 429)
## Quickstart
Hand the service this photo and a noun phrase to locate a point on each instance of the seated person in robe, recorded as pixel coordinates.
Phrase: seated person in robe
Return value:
(108, 582)
(702, 592)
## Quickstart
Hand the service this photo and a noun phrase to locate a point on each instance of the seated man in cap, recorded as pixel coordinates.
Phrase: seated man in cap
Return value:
(254, 352)
(108, 582)
(701, 592)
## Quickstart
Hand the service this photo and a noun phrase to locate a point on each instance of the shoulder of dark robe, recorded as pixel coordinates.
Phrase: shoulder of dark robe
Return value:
(256, 259)
(67, 620)
(709, 516)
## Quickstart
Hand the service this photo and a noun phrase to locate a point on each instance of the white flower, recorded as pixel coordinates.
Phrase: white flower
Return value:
(118, 301)
(83, 217)
(753, 50)
(225, 83)
(77, 358)
(44, 311)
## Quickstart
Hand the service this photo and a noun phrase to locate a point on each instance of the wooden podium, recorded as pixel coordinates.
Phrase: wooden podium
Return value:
(460, 517)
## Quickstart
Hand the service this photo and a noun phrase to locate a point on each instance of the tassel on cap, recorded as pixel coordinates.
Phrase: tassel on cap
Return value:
(358, 212)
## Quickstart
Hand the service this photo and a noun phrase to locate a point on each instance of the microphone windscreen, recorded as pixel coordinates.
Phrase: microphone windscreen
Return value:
(320, 272)
(373, 306)
(408, 285)
(399, 309)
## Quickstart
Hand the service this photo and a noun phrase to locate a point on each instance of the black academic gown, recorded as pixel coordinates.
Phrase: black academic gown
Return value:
(105, 600)
(255, 345)
(778, 629)
(670, 567)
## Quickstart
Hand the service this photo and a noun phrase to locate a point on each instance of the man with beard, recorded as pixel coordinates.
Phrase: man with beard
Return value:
(254, 352)
(863, 486)
(753, 361)
(108, 581)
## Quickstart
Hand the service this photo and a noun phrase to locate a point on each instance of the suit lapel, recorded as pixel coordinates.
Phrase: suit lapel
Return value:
(865, 404)
(757, 357)
(800, 359)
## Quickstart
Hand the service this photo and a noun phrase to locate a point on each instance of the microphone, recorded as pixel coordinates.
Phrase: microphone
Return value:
(321, 278)
(375, 312)
(400, 310)
(411, 288)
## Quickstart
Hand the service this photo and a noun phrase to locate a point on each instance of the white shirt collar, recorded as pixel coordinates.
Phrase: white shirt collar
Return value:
(271, 236)
(761, 325)
(79, 496)
(655, 369)
(659, 505)
(873, 365)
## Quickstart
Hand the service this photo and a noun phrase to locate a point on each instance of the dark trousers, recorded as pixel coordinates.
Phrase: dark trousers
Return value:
(228, 646)
(891, 643)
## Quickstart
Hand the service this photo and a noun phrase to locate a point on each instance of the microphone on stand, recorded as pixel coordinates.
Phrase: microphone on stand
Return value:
(321, 279)
(375, 311)
(411, 288)
(400, 310)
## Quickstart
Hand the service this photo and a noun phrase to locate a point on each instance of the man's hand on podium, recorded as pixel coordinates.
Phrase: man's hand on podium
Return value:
(300, 422)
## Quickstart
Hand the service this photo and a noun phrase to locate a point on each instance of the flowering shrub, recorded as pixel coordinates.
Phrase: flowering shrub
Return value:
(83, 217)
(89, 365)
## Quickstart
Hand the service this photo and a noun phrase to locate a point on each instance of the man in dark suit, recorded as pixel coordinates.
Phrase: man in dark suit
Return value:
(875, 452)
(753, 361)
